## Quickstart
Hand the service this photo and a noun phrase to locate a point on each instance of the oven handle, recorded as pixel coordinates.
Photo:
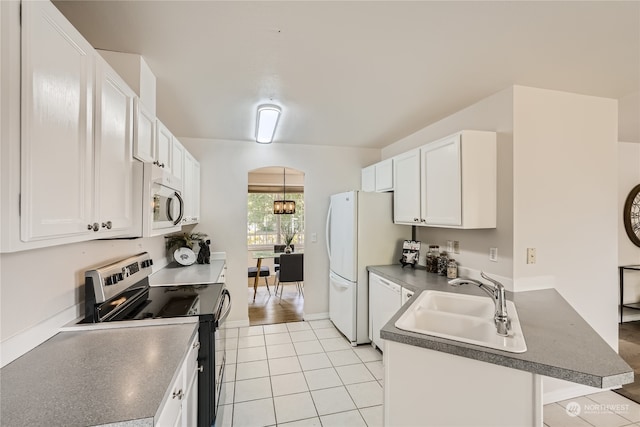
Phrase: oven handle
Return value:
(227, 294)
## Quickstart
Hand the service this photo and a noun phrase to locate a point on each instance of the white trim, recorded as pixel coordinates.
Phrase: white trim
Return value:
(315, 316)
(19, 344)
(565, 393)
(228, 324)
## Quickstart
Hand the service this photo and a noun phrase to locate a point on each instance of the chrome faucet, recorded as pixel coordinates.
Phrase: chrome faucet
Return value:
(496, 292)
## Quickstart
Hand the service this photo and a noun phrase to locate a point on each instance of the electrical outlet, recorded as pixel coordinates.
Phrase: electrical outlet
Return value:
(456, 247)
(314, 237)
(493, 254)
(531, 255)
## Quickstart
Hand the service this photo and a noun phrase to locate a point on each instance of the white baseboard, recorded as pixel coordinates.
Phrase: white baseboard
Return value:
(566, 393)
(236, 323)
(315, 316)
(21, 343)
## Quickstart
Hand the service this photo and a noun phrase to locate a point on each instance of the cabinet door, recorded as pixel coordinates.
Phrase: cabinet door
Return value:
(164, 139)
(368, 178)
(144, 147)
(406, 196)
(441, 186)
(113, 152)
(384, 175)
(177, 159)
(56, 143)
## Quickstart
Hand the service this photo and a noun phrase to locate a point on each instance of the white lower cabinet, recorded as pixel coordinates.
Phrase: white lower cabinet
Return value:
(384, 302)
(419, 384)
(180, 408)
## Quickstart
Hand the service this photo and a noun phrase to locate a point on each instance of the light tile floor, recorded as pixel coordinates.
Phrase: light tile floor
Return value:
(308, 374)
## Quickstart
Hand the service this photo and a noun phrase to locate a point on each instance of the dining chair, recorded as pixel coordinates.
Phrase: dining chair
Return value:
(291, 270)
(278, 249)
(264, 272)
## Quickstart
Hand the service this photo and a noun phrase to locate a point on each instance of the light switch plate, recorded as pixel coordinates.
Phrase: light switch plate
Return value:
(493, 254)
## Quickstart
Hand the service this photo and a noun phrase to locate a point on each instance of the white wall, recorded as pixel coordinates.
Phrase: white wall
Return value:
(493, 113)
(42, 289)
(565, 205)
(629, 118)
(224, 169)
(628, 253)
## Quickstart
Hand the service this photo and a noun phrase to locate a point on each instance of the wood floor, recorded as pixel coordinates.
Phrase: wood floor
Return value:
(629, 349)
(269, 309)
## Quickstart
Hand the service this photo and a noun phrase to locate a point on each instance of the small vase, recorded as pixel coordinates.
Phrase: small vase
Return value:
(287, 249)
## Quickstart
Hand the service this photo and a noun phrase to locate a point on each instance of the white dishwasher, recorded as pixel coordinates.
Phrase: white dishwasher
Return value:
(406, 294)
(384, 302)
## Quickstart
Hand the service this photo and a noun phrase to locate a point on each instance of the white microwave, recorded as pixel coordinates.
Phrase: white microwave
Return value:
(163, 206)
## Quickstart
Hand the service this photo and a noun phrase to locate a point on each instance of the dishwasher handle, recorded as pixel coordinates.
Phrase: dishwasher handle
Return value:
(391, 286)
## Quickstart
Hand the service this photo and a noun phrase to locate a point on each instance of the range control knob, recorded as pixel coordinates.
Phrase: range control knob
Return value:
(108, 281)
(112, 280)
(146, 263)
(119, 276)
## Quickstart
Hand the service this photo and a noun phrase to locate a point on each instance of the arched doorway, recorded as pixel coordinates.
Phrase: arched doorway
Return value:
(272, 225)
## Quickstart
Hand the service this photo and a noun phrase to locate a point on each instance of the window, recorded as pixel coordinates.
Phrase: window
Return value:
(264, 228)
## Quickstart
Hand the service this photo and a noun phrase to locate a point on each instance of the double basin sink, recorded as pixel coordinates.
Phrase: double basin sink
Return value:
(464, 318)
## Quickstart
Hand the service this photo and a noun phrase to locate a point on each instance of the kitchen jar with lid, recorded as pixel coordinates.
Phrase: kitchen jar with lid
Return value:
(452, 269)
(442, 263)
(432, 258)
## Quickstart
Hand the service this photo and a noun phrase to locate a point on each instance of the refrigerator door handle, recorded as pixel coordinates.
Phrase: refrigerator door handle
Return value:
(338, 281)
(326, 231)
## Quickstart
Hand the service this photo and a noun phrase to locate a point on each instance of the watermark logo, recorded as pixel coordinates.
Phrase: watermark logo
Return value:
(573, 409)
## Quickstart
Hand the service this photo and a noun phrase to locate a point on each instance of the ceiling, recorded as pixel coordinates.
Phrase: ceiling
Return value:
(359, 73)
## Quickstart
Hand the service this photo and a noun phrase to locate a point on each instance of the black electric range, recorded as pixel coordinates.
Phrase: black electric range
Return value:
(120, 291)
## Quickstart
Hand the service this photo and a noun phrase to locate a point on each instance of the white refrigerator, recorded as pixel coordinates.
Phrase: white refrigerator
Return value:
(360, 232)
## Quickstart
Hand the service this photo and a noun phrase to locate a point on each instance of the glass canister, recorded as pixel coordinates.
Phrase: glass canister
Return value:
(442, 263)
(452, 269)
(432, 258)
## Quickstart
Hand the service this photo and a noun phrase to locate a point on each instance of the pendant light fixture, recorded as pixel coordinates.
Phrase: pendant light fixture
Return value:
(266, 122)
(284, 206)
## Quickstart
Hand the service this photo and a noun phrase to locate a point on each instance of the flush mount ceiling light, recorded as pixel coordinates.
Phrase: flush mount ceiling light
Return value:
(284, 206)
(267, 120)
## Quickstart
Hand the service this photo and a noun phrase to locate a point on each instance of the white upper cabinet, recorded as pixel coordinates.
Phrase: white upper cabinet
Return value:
(177, 159)
(368, 179)
(406, 196)
(77, 134)
(164, 142)
(57, 133)
(144, 145)
(378, 177)
(457, 186)
(114, 110)
(191, 187)
(384, 175)
(441, 176)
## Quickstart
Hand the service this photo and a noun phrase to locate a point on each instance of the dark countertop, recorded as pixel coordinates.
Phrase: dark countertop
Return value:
(96, 375)
(560, 343)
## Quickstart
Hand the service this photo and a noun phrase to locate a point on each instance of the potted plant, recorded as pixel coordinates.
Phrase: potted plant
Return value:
(183, 240)
(287, 237)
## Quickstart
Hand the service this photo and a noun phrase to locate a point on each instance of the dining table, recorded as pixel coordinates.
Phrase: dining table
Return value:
(259, 256)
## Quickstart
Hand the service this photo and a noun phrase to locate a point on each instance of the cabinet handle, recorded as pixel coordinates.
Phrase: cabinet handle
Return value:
(89, 227)
(423, 220)
(415, 219)
(177, 394)
(107, 225)
(196, 344)
(200, 368)
(95, 226)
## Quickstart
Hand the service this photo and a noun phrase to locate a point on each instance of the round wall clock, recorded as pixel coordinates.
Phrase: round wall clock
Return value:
(632, 215)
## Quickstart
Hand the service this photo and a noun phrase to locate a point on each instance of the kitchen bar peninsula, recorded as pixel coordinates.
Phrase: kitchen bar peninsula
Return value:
(94, 375)
(437, 381)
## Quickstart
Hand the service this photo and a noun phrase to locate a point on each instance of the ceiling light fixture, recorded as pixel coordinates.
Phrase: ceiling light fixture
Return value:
(284, 206)
(266, 123)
